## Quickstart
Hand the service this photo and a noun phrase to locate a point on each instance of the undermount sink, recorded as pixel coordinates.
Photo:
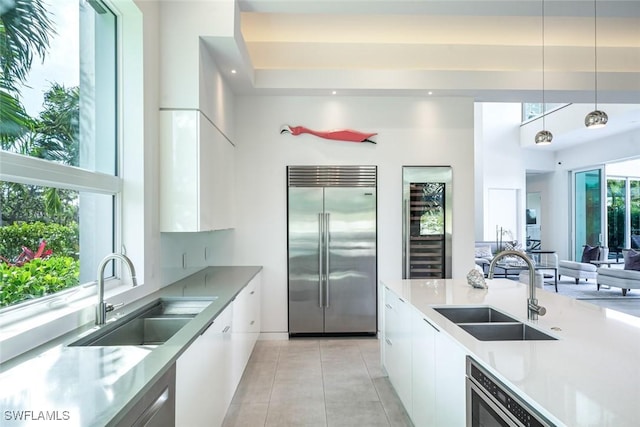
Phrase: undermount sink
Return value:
(505, 332)
(150, 325)
(488, 324)
(479, 314)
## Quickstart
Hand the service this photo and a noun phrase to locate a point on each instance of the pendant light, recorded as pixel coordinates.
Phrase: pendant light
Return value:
(597, 118)
(543, 137)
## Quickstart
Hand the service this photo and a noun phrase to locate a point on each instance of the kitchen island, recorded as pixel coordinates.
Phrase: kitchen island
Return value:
(588, 376)
(98, 386)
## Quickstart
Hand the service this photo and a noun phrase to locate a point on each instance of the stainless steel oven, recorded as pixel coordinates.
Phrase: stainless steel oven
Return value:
(490, 403)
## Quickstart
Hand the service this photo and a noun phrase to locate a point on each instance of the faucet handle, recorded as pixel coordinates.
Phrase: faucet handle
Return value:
(111, 307)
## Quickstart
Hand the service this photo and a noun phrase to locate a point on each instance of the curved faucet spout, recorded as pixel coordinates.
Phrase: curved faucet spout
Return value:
(533, 309)
(102, 309)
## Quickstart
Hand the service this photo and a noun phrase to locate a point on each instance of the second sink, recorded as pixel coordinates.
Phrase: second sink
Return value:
(505, 332)
(478, 314)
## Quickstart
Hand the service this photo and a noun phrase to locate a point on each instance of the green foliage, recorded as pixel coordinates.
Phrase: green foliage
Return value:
(37, 278)
(62, 240)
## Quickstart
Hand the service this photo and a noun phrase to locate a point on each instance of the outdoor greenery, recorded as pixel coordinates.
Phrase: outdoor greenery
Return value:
(37, 278)
(61, 239)
(35, 217)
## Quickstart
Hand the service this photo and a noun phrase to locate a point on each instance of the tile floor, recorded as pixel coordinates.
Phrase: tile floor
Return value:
(316, 382)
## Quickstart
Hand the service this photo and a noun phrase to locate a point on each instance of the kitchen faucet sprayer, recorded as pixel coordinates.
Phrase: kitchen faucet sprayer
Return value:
(533, 309)
(103, 308)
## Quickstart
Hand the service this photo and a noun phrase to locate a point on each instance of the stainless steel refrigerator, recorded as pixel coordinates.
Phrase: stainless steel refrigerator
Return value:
(332, 250)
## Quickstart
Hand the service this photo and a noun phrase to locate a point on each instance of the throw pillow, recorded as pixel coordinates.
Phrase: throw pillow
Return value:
(483, 252)
(513, 246)
(590, 253)
(632, 260)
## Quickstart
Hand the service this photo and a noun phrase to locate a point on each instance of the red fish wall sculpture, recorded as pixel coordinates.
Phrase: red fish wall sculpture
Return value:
(339, 134)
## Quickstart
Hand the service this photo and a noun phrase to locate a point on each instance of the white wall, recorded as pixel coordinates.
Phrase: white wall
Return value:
(497, 141)
(411, 131)
(555, 186)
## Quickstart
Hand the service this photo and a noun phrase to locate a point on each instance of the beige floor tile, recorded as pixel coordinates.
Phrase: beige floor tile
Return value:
(304, 413)
(265, 353)
(356, 414)
(253, 391)
(246, 415)
(297, 389)
(394, 409)
(350, 390)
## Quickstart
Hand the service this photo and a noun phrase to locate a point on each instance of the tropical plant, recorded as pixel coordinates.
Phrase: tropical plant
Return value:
(37, 278)
(25, 29)
(62, 240)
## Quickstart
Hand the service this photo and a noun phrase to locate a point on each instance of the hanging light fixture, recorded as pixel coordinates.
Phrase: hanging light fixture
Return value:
(544, 137)
(597, 118)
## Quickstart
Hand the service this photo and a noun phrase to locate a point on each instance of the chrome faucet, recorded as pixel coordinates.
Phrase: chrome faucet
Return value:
(103, 308)
(533, 309)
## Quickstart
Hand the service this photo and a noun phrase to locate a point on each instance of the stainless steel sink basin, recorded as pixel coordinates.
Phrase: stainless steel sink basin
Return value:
(478, 314)
(505, 332)
(152, 324)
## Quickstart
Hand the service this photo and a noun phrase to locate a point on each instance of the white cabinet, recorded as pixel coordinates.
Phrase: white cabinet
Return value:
(203, 379)
(425, 366)
(196, 173)
(209, 371)
(397, 345)
(246, 326)
(450, 371)
(423, 371)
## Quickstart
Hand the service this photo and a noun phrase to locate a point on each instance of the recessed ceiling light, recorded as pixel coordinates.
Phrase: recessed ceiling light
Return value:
(334, 92)
(233, 71)
(429, 93)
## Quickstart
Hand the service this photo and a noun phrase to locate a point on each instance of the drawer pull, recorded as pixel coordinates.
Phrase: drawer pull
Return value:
(388, 341)
(401, 299)
(252, 322)
(388, 306)
(431, 324)
(252, 292)
(226, 329)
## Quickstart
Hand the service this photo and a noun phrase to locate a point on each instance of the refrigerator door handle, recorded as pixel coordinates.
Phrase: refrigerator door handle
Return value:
(326, 259)
(320, 257)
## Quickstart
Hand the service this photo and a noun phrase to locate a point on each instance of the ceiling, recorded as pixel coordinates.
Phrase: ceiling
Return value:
(491, 51)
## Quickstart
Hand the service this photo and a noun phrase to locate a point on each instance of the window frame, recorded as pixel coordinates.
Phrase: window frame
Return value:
(25, 326)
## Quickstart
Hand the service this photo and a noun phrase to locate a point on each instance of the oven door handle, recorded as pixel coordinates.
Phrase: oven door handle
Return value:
(489, 401)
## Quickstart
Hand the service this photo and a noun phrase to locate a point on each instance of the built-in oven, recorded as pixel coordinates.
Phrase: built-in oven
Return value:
(490, 403)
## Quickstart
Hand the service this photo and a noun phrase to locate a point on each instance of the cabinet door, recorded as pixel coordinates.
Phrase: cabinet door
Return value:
(179, 178)
(423, 371)
(450, 382)
(398, 346)
(246, 326)
(202, 371)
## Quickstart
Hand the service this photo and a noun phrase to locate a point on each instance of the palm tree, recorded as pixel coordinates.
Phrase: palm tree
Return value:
(25, 29)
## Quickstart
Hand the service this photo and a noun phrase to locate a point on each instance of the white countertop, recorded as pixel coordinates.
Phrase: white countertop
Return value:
(95, 386)
(590, 376)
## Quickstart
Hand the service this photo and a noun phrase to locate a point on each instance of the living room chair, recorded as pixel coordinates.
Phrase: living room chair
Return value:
(583, 269)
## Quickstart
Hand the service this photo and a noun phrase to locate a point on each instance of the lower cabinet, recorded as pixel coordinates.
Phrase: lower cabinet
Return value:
(397, 345)
(204, 386)
(209, 371)
(423, 369)
(431, 383)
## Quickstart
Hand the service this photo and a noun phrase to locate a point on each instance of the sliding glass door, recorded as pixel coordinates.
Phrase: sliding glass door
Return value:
(588, 209)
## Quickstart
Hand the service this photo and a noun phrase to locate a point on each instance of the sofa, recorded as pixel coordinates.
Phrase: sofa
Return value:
(627, 278)
(484, 253)
(583, 269)
(485, 250)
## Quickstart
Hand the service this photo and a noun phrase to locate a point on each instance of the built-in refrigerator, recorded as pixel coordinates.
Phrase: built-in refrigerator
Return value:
(332, 250)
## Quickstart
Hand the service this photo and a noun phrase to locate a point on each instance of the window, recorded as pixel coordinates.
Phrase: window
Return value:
(59, 184)
(531, 111)
(623, 213)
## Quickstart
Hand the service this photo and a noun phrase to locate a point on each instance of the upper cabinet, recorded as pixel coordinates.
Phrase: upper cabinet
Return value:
(196, 173)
